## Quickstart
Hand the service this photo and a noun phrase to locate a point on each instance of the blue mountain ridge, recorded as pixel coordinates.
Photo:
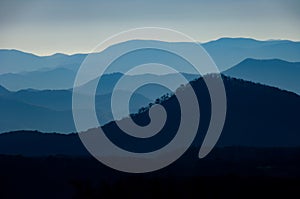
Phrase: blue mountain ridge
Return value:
(274, 72)
(226, 52)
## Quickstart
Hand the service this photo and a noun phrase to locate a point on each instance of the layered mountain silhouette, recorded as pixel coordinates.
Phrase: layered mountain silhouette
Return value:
(59, 78)
(150, 90)
(257, 116)
(21, 70)
(254, 110)
(62, 78)
(274, 72)
(15, 61)
(33, 108)
(227, 52)
(51, 110)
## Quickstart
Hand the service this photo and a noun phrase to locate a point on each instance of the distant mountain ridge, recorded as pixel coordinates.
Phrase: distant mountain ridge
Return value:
(51, 110)
(19, 70)
(274, 72)
(26, 105)
(226, 52)
(58, 78)
(15, 61)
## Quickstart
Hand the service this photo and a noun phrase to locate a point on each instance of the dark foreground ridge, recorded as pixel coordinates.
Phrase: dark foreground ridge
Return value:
(257, 116)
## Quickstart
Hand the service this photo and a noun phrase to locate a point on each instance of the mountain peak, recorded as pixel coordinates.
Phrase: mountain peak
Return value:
(270, 62)
(236, 39)
(233, 40)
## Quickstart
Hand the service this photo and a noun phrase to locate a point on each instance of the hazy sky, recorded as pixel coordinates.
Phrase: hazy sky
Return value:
(49, 26)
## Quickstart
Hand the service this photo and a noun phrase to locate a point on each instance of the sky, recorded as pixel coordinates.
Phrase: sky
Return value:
(45, 27)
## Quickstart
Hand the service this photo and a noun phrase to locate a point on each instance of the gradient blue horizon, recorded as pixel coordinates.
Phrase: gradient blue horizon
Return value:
(46, 27)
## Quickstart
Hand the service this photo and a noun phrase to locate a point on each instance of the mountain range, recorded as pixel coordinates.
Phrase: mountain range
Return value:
(20, 70)
(36, 91)
(257, 116)
(227, 52)
(51, 110)
(33, 109)
(15, 61)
